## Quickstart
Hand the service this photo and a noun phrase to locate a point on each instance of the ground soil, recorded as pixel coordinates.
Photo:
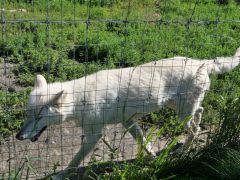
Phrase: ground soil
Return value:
(8, 80)
(58, 145)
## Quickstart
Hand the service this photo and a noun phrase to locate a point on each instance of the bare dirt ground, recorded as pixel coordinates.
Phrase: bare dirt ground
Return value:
(58, 145)
(7, 79)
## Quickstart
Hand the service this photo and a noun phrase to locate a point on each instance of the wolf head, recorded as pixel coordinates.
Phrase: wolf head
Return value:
(45, 108)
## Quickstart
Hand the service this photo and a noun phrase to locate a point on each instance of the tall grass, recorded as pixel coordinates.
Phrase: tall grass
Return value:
(219, 159)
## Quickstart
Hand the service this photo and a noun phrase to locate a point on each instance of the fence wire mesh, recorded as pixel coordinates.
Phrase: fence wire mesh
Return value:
(105, 43)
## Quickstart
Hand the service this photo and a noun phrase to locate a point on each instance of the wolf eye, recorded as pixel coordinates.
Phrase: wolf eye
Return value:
(55, 106)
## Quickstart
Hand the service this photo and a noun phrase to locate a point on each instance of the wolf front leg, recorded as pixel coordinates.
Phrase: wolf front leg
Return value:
(91, 136)
(136, 132)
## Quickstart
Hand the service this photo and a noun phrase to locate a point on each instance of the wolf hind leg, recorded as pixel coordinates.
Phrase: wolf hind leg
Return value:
(197, 120)
(190, 106)
(193, 127)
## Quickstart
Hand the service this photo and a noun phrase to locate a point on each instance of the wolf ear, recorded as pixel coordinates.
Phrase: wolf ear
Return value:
(59, 98)
(40, 81)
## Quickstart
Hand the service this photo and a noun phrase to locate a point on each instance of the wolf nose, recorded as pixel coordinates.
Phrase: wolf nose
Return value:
(19, 136)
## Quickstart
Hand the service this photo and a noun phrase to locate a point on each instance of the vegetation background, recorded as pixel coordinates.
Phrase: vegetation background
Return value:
(67, 39)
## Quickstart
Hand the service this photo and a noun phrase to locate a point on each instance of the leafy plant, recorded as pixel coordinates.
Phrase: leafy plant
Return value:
(12, 112)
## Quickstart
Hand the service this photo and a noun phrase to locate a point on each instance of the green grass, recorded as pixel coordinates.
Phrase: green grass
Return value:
(212, 163)
(12, 112)
(37, 48)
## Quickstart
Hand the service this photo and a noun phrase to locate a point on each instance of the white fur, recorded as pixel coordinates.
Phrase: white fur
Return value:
(116, 95)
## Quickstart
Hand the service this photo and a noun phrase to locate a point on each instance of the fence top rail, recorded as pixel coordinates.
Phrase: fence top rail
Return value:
(184, 22)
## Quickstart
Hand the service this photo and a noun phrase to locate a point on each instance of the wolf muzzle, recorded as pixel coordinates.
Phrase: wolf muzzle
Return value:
(20, 136)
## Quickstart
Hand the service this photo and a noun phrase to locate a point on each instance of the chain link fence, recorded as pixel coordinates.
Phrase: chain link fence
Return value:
(69, 39)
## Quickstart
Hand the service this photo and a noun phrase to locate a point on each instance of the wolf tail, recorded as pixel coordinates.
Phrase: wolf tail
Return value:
(223, 64)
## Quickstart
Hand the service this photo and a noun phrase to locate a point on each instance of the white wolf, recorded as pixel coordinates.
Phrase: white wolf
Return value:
(117, 95)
